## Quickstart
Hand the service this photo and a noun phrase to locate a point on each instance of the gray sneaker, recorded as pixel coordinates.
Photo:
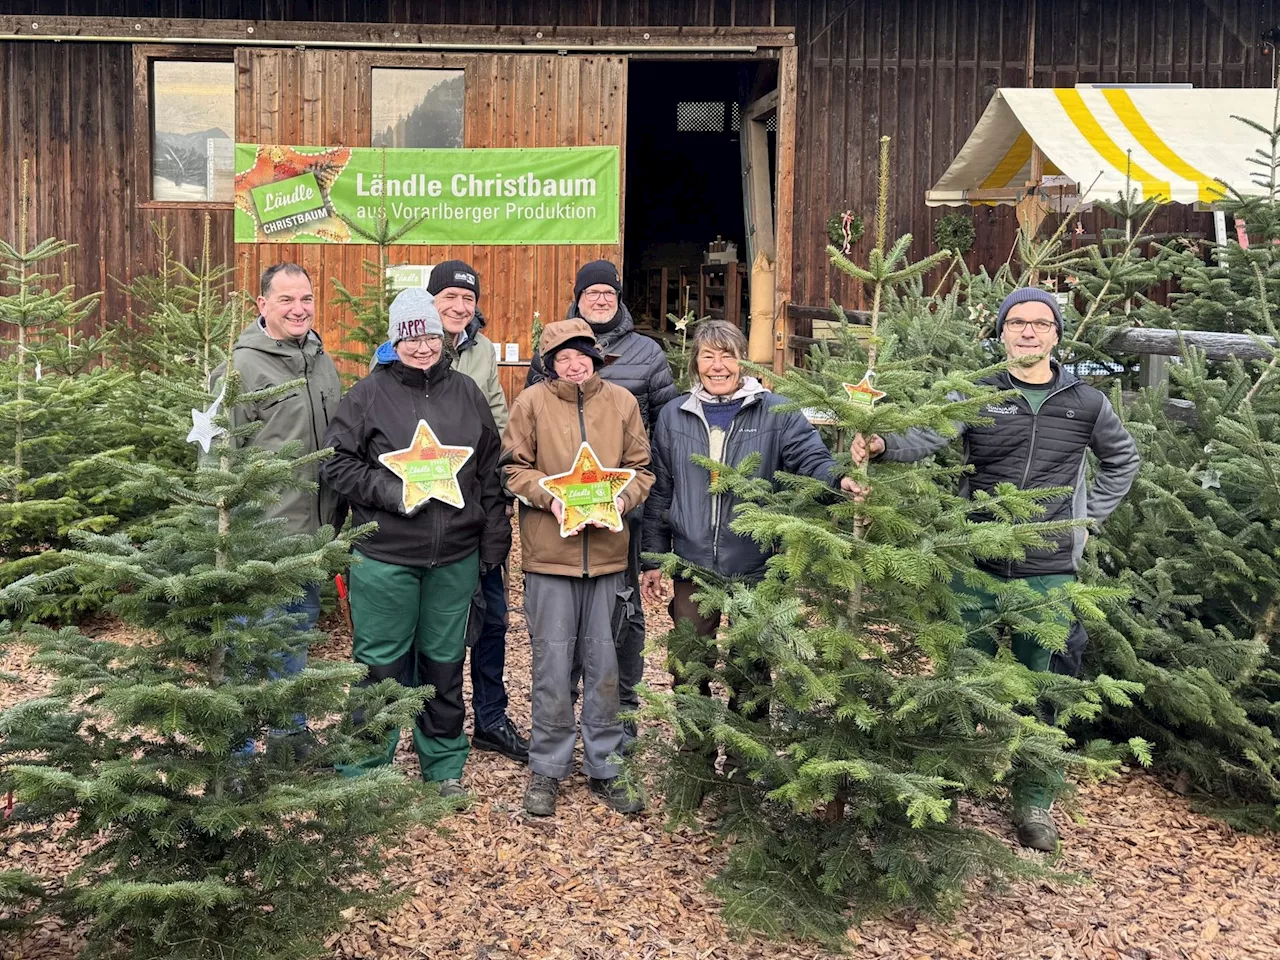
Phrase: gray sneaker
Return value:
(540, 796)
(452, 789)
(1036, 829)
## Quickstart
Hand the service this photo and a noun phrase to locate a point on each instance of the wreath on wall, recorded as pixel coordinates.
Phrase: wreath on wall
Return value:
(844, 229)
(954, 232)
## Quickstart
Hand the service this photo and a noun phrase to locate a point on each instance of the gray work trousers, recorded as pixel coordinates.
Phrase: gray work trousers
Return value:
(567, 615)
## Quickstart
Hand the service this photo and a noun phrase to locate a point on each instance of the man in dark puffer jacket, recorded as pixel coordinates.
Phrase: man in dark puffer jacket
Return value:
(639, 364)
(1037, 439)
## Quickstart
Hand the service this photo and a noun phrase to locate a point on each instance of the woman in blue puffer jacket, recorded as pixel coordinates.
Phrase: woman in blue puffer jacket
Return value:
(726, 417)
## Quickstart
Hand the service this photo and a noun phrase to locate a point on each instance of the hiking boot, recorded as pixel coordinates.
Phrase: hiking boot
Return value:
(452, 789)
(1035, 829)
(540, 795)
(615, 795)
(504, 739)
(630, 737)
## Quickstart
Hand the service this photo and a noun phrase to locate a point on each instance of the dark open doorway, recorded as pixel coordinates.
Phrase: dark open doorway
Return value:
(686, 242)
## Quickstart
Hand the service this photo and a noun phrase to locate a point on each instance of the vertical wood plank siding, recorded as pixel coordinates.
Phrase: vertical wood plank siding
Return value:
(919, 71)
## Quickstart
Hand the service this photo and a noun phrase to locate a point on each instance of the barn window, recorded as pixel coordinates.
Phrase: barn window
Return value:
(193, 122)
(415, 107)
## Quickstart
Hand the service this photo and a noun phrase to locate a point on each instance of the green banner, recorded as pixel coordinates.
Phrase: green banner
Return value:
(495, 195)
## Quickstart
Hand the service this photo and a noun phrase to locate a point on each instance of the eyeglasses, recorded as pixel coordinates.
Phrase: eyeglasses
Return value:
(421, 344)
(1039, 326)
(598, 295)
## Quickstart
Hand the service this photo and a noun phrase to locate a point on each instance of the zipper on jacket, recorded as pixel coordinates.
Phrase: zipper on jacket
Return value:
(582, 427)
(311, 408)
(715, 501)
(1031, 446)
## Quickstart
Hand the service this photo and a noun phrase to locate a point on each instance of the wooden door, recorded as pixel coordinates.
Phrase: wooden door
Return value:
(323, 98)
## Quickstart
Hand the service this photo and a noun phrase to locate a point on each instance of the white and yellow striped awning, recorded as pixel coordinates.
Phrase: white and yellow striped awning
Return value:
(1171, 144)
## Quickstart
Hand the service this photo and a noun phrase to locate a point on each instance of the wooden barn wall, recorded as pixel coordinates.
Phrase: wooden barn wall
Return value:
(68, 108)
(321, 97)
(922, 72)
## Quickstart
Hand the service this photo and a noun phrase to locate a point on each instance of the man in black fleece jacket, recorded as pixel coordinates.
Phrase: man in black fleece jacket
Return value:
(1037, 439)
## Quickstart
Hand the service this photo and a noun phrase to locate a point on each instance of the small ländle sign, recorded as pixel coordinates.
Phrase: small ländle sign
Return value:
(535, 195)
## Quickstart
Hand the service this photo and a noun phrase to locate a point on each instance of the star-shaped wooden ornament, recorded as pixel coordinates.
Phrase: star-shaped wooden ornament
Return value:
(587, 492)
(428, 469)
(863, 392)
(272, 163)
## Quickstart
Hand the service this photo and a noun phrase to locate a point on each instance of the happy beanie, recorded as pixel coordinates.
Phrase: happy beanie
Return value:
(413, 314)
(454, 273)
(1029, 295)
(597, 271)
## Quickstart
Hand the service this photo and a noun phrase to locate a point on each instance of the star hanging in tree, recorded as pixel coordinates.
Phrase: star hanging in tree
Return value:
(428, 469)
(203, 429)
(863, 393)
(588, 492)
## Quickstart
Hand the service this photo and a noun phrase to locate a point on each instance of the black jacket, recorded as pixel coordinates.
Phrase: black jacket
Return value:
(1035, 451)
(638, 364)
(682, 517)
(380, 414)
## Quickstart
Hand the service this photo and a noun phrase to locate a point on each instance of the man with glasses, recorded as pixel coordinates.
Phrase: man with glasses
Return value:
(1037, 439)
(639, 364)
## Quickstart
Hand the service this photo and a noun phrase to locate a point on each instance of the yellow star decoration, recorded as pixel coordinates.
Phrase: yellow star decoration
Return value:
(587, 492)
(863, 393)
(428, 469)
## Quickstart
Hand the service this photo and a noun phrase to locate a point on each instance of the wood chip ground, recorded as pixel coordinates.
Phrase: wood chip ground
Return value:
(1160, 882)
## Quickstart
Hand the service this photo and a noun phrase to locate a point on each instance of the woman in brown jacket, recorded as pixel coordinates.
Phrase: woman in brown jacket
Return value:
(574, 584)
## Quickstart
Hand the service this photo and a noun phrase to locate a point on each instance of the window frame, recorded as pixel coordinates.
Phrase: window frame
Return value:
(143, 56)
(378, 59)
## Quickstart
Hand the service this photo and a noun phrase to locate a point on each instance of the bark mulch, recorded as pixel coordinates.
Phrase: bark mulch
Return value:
(1159, 881)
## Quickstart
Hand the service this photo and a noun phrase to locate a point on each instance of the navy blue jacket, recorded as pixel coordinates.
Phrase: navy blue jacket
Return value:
(682, 516)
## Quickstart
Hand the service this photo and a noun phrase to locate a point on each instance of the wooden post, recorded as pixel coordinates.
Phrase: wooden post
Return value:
(785, 216)
(1153, 370)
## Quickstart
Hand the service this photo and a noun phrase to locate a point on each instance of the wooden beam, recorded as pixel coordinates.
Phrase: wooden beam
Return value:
(1170, 343)
(761, 109)
(549, 38)
(798, 311)
(785, 201)
(757, 197)
(1037, 166)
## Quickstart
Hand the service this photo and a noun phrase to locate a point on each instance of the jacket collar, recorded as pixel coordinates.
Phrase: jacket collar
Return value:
(569, 391)
(255, 337)
(751, 391)
(413, 377)
(1065, 378)
(605, 341)
(471, 333)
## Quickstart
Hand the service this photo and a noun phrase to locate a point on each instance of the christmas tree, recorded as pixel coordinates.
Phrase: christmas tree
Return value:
(201, 849)
(1196, 543)
(51, 386)
(842, 798)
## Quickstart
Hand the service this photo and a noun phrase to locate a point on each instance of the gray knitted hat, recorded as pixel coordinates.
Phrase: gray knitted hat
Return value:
(413, 314)
(1029, 295)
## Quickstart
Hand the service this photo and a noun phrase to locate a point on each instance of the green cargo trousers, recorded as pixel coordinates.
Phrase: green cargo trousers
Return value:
(1028, 788)
(410, 624)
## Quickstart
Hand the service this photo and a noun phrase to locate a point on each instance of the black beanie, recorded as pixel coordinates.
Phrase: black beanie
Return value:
(453, 273)
(597, 271)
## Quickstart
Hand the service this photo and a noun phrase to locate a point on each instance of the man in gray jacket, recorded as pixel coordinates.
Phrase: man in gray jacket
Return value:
(281, 346)
(1036, 440)
(639, 364)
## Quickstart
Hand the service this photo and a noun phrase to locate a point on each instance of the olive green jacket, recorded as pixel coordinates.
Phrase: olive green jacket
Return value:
(301, 414)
